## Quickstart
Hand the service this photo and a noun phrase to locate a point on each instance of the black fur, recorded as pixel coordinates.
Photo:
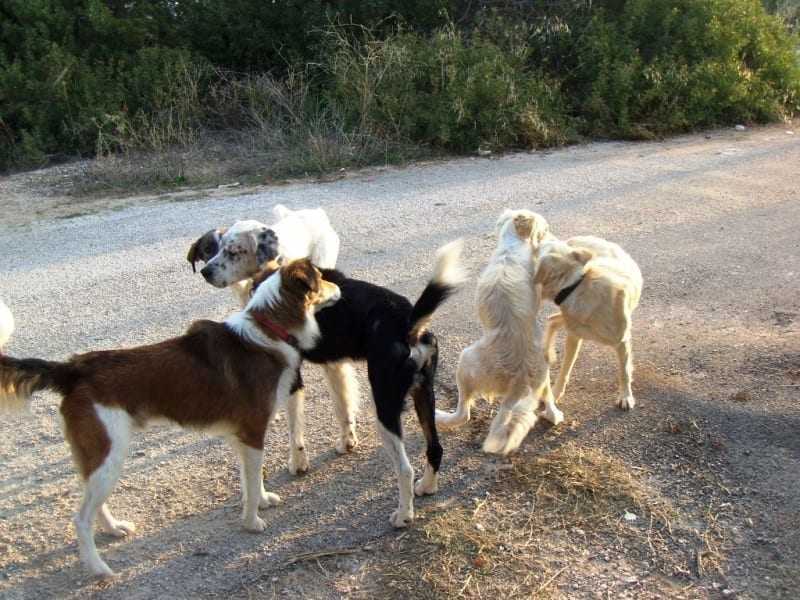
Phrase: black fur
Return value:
(373, 323)
(205, 248)
(267, 248)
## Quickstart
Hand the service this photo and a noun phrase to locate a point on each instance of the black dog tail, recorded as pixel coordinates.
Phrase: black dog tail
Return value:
(21, 377)
(448, 274)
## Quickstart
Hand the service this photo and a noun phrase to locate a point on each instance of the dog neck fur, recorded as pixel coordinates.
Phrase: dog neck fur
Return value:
(268, 300)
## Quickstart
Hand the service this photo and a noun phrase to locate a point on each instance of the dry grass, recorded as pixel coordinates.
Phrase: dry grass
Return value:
(250, 129)
(548, 523)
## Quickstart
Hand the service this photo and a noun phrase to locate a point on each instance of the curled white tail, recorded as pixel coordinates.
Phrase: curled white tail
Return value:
(447, 269)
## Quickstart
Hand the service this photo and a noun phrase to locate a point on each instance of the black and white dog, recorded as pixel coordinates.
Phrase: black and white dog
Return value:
(235, 254)
(375, 324)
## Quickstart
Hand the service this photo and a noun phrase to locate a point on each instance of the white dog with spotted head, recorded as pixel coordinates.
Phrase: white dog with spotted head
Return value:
(234, 255)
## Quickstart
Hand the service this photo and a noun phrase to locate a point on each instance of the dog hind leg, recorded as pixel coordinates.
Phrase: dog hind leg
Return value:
(343, 384)
(514, 419)
(117, 426)
(467, 389)
(424, 403)
(295, 417)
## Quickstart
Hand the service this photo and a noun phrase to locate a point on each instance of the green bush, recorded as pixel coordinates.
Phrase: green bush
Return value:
(446, 90)
(77, 76)
(660, 66)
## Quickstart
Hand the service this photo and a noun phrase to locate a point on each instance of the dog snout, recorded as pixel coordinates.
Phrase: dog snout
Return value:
(206, 273)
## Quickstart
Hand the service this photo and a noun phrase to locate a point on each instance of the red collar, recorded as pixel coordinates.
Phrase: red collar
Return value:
(275, 329)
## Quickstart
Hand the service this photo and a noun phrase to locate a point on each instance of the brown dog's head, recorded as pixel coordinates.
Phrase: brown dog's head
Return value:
(559, 265)
(292, 289)
(206, 247)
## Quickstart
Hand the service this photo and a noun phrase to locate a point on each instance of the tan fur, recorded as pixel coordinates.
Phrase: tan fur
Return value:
(599, 309)
(507, 362)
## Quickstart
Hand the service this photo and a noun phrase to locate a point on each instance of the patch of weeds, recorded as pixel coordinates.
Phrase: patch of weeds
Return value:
(547, 522)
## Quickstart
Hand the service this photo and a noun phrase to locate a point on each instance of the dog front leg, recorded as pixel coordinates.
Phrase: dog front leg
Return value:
(625, 357)
(343, 384)
(572, 346)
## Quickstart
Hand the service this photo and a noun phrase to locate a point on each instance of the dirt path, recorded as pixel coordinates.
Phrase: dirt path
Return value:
(714, 222)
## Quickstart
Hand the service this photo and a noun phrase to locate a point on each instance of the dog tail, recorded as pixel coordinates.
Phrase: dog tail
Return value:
(448, 274)
(21, 377)
(280, 211)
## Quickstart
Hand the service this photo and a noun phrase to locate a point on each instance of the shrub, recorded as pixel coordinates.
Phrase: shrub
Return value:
(448, 90)
(659, 66)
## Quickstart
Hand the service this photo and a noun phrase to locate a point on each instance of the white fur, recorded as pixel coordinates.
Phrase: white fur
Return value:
(6, 324)
(394, 446)
(303, 233)
(448, 269)
(118, 425)
(507, 362)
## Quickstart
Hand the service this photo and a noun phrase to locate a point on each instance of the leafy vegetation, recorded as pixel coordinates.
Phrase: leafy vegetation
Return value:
(313, 86)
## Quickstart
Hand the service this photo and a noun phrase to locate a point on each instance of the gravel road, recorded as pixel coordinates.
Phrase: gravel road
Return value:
(713, 220)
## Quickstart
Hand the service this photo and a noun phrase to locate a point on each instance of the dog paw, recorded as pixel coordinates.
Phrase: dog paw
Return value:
(298, 461)
(269, 499)
(426, 488)
(626, 402)
(255, 525)
(347, 443)
(552, 414)
(400, 519)
(446, 420)
(99, 569)
(121, 529)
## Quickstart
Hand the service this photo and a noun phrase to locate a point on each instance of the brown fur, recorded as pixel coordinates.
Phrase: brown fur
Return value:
(219, 376)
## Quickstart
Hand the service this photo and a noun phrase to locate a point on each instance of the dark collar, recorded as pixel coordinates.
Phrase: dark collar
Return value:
(564, 293)
(275, 329)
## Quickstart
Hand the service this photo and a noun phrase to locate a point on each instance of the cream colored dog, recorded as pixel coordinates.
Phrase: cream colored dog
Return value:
(508, 361)
(597, 286)
(6, 324)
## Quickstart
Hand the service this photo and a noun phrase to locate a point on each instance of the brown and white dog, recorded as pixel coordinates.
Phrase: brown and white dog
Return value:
(507, 362)
(597, 286)
(234, 255)
(225, 378)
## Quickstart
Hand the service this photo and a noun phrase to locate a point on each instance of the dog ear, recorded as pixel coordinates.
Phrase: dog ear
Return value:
(192, 255)
(206, 247)
(541, 231)
(503, 219)
(266, 246)
(581, 255)
(304, 273)
(266, 271)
